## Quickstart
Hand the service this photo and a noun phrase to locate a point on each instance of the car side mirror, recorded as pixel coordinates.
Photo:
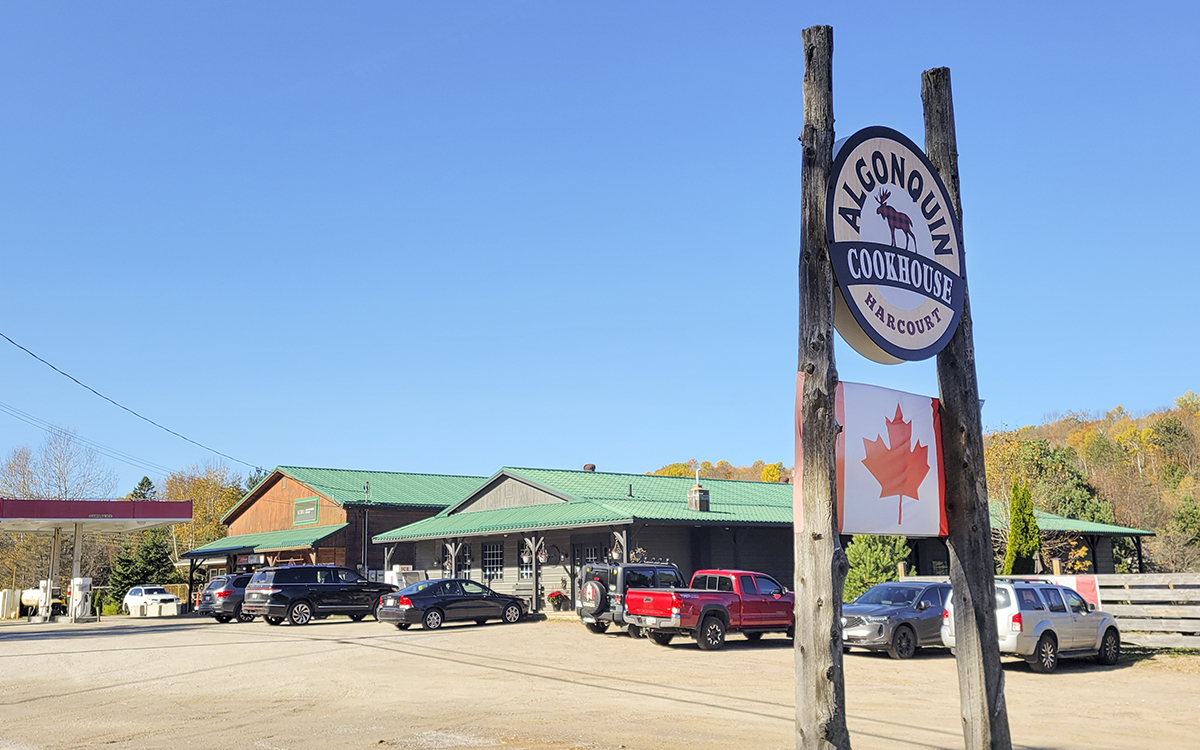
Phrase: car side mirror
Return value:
(922, 606)
(1091, 607)
(781, 593)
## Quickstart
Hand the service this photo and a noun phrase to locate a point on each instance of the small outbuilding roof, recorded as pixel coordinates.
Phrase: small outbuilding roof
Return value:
(1063, 525)
(267, 541)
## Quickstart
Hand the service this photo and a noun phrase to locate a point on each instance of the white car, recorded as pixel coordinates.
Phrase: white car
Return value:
(1041, 622)
(139, 595)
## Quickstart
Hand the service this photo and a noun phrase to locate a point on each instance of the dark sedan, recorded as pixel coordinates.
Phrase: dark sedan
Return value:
(431, 603)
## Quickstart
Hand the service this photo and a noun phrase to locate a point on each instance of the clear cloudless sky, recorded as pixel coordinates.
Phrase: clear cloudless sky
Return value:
(449, 237)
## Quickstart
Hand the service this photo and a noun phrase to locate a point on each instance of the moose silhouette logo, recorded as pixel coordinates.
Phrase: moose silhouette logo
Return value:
(895, 219)
(898, 262)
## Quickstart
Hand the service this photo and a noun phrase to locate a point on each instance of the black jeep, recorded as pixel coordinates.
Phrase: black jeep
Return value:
(602, 588)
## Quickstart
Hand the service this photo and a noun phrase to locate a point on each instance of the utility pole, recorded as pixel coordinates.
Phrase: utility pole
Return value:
(821, 566)
(972, 569)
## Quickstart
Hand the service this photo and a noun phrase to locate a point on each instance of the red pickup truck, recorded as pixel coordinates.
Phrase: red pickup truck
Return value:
(717, 602)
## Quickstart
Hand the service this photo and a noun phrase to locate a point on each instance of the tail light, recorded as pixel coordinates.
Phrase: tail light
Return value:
(1015, 624)
(945, 616)
(223, 594)
(405, 601)
(676, 603)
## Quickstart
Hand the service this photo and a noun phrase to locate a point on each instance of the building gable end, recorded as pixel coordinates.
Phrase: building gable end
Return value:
(507, 492)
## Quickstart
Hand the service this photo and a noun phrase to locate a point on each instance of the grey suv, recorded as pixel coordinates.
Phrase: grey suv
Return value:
(1042, 622)
(897, 617)
(222, 598)
(602, 590)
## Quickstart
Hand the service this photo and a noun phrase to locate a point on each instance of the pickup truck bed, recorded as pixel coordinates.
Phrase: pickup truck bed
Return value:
(716, 602)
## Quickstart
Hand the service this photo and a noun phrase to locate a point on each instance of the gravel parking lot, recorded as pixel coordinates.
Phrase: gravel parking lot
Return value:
(192, 682)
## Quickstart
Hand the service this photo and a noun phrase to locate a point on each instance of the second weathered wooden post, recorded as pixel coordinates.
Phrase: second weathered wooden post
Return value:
(972, 569)
(820, 562)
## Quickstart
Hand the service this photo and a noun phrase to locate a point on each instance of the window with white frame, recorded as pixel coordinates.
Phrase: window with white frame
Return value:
(493, 561)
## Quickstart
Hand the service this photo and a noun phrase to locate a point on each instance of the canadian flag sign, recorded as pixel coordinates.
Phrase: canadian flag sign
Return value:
(889, 461)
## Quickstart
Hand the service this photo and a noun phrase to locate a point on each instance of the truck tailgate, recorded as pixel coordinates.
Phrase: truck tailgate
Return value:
(650, 602)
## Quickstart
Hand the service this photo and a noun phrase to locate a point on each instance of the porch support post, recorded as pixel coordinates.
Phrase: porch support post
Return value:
(1137, 544)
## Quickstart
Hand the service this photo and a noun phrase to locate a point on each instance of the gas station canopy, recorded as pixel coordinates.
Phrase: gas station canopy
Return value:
(90, 516)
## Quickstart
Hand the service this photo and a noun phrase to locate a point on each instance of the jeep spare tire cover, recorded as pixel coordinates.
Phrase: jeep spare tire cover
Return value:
(594, 598)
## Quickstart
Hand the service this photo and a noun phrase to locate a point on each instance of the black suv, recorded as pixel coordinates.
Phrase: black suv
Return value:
(602, 590)
(222, 598)
(302, 593)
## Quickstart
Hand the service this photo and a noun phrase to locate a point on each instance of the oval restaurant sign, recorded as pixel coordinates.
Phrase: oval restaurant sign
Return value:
(896, 248)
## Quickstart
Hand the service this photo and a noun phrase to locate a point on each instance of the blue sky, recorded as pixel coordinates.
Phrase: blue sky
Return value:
(450, 237)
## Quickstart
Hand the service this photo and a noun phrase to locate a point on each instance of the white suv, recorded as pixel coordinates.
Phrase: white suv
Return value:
(1041, 622)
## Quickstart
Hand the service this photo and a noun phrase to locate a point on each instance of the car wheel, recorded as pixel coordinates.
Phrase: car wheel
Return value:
(754, 636)
(357, 618)
(904, 643)
(599, 628)
(791, 632)
(272, 620)
(404, 625)
(1110, 648)
(1045, 655)
(300, 613)
(711, 635)
(512, 613)
(242, 616)
(662, 639)
(634, 631)
(433, 619)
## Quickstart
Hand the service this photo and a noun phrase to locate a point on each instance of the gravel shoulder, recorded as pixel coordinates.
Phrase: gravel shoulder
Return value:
(190, 682)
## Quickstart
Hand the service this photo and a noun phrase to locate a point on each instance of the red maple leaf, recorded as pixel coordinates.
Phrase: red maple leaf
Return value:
(898, 469)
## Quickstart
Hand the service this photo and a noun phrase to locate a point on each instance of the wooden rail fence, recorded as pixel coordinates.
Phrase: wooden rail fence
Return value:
(1161, 610)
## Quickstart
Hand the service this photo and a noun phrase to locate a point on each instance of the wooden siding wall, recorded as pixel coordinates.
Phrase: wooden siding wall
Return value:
(669, 542)
(379, 520)
(273, 510)
(509, 494)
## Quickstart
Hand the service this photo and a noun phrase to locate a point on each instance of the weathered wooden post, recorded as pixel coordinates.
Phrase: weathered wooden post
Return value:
(820, 562)
(972, 569)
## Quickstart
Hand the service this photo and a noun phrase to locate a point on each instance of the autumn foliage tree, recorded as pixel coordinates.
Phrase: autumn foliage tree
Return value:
(759, 471)
(213, 490)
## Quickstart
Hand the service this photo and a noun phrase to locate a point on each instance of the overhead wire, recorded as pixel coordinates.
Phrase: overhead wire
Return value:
(112, 453)
(126, 408)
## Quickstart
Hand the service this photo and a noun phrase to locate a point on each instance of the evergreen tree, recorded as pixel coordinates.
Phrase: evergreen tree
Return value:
(1024, 537)
(873, 559)
(145, 490)
(124, 573)
(153, 559)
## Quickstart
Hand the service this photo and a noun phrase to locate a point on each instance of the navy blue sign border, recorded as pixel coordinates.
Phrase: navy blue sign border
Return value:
(838, 250)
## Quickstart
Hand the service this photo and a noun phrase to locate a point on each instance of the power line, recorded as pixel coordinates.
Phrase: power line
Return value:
(113, 453)
(126, 408)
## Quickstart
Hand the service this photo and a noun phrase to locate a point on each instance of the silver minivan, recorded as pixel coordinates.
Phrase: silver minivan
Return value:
(1043, 622)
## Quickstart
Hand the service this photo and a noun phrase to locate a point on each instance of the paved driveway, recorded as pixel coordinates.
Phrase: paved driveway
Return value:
(188, 682)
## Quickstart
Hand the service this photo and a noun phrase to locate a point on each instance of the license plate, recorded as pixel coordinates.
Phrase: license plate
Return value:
(651, 622)
(589, 619)
(256, 596)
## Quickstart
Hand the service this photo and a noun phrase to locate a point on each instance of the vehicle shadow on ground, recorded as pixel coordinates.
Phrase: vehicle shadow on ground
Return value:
(67, 631)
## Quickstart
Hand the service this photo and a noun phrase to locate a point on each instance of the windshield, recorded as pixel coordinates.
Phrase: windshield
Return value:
(889, 596)
(154, 590)
(417, 587)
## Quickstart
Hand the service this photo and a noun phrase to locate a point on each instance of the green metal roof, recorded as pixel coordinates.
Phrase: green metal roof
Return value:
(601, 498)
(266, 541)
(1051, 522)
(345, 487)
